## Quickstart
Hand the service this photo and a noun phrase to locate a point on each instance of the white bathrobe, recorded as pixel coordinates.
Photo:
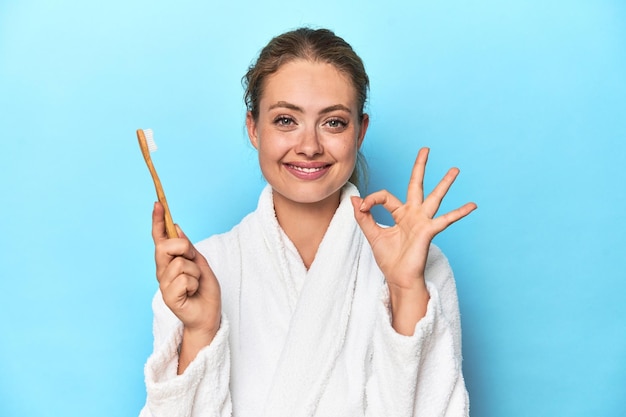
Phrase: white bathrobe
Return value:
(309, 343)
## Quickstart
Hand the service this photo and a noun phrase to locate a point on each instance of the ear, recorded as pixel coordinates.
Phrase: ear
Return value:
(363, 129)
(252, 130)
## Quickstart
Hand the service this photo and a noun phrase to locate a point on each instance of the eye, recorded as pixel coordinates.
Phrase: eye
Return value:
(336, 124)
(284, 121)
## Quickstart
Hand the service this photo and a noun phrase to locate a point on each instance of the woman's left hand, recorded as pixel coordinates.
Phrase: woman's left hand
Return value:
(401, 250)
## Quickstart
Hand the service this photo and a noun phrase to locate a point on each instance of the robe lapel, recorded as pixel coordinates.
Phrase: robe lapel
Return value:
(319, 322)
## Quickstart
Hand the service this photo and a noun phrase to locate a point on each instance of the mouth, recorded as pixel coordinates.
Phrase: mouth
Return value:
(307, 171)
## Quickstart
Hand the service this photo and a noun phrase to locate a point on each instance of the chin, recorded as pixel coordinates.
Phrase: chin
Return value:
(309, 194)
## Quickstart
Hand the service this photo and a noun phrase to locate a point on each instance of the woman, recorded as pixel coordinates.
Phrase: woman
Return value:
(308, 307)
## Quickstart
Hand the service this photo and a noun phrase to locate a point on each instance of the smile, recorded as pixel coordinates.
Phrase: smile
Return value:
(309, 171)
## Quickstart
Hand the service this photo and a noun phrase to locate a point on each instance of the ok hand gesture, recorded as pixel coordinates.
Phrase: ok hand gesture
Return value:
(401, 250)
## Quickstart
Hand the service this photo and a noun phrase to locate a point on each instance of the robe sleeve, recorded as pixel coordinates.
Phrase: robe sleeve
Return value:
(203, 389)
(420, 375)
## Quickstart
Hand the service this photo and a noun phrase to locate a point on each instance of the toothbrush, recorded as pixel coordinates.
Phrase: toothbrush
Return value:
(147, 145)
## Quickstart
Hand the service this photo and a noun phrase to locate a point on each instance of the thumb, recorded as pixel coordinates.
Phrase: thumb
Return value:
(158, 223)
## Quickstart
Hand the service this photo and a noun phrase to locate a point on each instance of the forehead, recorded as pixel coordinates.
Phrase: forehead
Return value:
(308, 84)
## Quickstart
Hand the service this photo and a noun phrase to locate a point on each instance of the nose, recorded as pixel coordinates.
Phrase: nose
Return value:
(309, 143)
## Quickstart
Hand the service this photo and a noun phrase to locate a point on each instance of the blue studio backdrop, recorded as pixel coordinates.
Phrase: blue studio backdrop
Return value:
(528, 98)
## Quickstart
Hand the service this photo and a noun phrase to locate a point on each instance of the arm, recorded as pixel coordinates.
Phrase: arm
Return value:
(203, 388)
(420, 375)
(415, 333)
(188, 373)
(188, 286)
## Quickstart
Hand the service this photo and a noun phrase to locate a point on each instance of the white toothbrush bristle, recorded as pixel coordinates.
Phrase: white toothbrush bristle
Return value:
(150, 140)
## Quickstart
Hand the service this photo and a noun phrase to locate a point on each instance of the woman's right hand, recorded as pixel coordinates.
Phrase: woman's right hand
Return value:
(188, 286)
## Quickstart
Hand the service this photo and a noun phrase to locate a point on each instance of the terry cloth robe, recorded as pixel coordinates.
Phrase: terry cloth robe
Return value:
(295, 343)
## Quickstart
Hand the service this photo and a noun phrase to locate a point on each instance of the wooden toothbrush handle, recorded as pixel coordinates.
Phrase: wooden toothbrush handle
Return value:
(170, 229)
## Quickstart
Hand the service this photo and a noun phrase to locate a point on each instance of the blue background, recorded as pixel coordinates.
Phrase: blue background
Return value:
(528, 98)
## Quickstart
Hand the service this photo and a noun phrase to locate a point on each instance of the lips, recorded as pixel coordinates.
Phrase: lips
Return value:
(307, 170)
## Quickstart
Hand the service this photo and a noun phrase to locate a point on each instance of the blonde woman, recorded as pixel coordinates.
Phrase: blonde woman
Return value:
(308, 307)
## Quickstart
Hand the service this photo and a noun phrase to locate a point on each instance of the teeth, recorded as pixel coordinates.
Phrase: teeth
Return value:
(306, 170)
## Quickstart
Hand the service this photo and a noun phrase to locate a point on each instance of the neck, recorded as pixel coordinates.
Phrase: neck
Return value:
(305, 223)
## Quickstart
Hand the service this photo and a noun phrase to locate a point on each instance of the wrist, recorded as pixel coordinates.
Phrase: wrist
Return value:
(408, 306)
(193, 341)
(199, 337)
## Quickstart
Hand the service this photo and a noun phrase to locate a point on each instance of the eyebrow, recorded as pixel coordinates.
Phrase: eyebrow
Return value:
(325, 110)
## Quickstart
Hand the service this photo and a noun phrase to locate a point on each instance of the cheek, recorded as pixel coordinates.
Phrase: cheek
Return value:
(348, 147)
(271, 147)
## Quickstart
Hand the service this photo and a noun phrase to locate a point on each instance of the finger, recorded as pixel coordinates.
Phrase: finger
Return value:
(176, 291)
(190, 251)
(365, 220)
(415, 192)
(434, 199)
(442, 222)
(167, 249)
(383, 198)
(158, 223)
(180, 232)
(180, 265)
